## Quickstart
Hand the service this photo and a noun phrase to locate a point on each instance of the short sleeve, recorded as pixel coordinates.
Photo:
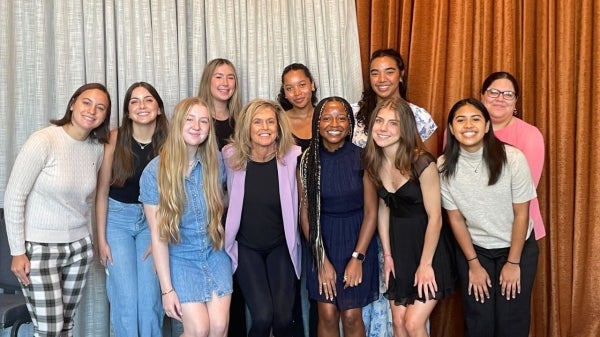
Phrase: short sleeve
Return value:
(425, 123)
(447, 200)
(421, 164)
(359, 135)
(149, 183)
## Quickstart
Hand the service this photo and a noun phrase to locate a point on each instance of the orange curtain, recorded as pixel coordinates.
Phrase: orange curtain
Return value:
(553, 48)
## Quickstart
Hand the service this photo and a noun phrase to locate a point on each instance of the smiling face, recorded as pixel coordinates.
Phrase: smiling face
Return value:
(386, 128)
(222, 83)
(334, 125)
(500, 109)
(298, 88)
(263, 128)
(89, 110)
(196, 125)
(385, 77)
(143, 107)
(468, 127)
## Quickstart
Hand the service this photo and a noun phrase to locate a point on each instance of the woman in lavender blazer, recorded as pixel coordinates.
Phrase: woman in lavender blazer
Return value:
(261, 230)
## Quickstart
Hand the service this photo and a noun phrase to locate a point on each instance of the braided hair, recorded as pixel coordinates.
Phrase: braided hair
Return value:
(310, 174)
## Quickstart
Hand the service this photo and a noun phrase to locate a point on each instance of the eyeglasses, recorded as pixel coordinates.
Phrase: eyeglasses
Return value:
(507, 95)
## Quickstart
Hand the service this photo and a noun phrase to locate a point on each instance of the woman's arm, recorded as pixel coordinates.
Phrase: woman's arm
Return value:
(104, 177)
(160, 254)
(383, 229)
(27, 167)
(479, 279)
(510, 275)
(534, 150)
(430, 189)
(353, 270)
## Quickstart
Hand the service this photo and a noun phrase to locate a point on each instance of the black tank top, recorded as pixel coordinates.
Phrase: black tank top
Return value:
(130, 191)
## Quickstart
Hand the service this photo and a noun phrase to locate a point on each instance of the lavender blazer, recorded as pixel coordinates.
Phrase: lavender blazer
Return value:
(288, 194)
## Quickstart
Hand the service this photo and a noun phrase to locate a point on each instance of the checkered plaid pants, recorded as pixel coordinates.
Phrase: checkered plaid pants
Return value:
(57, 279)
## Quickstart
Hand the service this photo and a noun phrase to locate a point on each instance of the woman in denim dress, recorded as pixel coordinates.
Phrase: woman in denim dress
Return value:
(181, 191)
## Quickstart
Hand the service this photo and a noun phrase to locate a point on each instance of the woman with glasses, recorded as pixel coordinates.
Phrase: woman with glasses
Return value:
(499, 94)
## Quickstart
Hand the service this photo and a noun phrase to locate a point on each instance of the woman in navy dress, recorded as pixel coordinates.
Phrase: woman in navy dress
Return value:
(338, 217)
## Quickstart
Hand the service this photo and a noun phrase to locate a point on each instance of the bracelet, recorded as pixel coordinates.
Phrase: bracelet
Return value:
(387, 255)
(168, 292)
(515, 263)
(472, 259)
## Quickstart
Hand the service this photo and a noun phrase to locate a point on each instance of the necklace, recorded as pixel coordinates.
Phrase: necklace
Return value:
(475, 168)
(265, 158)
(142, 145)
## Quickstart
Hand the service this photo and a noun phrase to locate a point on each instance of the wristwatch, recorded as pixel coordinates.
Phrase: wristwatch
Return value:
(359, 256)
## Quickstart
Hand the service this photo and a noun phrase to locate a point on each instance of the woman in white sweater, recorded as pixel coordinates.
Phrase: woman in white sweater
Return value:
(48, 208)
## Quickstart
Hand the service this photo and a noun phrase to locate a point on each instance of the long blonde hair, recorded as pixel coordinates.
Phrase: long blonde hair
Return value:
(234, 104)
(242, 143)
(172, 171)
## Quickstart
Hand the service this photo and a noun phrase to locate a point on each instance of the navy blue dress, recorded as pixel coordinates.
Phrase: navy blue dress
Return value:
(341, 219)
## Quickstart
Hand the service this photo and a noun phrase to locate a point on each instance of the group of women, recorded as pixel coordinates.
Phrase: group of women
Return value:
(348, 200)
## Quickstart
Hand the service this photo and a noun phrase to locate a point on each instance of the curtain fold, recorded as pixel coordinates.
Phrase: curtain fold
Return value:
(553, 48)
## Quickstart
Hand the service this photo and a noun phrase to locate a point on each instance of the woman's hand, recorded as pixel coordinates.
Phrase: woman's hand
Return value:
(510, 280)
(425, 281)
(147, 253)
(172, 306)
(353, 273)
(479, 282)
(388, 267)
(327, 280)
(104, 254)
(20, 267)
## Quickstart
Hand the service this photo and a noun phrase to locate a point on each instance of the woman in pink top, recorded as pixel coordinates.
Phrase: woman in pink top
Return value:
(499, 94)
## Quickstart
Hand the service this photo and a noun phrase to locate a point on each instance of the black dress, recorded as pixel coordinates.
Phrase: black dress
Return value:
(408, 223)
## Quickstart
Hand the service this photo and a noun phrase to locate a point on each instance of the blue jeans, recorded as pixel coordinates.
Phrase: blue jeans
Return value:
(131, 283)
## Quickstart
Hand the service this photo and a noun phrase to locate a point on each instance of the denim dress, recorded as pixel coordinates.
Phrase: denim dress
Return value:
(197, 270)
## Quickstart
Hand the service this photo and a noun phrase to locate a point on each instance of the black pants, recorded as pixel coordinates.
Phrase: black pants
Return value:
(268, 282)
(497, 316)
(237, 313)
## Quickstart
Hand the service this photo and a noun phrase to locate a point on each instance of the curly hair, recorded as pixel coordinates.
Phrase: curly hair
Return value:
(369, 97)
(285, 103)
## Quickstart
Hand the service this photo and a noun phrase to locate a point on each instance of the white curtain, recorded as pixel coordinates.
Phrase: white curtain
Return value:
(50, 48)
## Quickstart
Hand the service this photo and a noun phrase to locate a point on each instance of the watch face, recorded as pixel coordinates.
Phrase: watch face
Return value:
(358, 256)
